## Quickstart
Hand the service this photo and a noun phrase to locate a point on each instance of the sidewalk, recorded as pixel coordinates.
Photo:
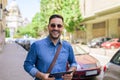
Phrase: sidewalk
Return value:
(11, 63)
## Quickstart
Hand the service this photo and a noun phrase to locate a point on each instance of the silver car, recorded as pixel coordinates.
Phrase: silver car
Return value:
(96, 42)
(112, 69)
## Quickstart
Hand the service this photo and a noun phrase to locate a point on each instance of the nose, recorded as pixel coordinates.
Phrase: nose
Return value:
(55, 27)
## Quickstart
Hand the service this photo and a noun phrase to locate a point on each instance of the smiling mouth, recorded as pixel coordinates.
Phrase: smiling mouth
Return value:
(55, 32)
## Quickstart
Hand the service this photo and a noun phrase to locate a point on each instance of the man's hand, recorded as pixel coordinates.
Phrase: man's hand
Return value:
(44, 76)
(67, 76)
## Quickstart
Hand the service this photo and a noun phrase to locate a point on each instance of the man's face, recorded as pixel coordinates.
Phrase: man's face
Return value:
(55, 28)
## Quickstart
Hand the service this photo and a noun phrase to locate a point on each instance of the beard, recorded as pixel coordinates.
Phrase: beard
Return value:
(55, 34)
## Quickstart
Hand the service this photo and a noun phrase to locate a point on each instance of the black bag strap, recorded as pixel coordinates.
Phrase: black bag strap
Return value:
(54, 60)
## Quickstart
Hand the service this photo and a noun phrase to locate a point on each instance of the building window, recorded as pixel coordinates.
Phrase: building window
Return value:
(99, 25)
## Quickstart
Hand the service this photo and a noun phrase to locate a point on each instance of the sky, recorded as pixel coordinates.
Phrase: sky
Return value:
(28, 8)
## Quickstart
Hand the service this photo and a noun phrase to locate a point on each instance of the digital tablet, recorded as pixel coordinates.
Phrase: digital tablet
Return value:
(59, 74)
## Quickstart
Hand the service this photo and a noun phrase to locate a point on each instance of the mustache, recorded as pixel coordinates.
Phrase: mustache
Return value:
(55, 31)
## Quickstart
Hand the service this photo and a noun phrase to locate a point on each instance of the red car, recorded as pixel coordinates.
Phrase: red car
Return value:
(88, 66)
(111, 44)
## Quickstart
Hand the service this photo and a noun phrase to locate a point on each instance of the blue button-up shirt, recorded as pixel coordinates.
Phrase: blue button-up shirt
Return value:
(41, 54)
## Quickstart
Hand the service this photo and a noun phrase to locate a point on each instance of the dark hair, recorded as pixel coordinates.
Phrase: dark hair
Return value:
(56, 16)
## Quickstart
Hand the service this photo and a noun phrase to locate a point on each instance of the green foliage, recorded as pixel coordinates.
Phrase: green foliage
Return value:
(7, 32)
(36, 22)
(69, 9)
(28, 30)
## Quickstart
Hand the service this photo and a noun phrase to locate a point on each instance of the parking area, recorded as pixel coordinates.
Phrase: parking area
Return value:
(103, 55)
(100, 51)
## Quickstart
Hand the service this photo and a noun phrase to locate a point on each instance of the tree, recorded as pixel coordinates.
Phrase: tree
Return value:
(27, 30)
(7, 32)
(69, 9)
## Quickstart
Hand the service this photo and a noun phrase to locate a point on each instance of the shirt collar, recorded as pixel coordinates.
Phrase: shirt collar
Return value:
(50, 42)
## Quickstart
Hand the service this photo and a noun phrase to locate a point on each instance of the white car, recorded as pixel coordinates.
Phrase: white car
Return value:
(112, 69)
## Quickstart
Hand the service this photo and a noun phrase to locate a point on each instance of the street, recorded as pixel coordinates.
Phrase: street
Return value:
(13, 56)
(11, 63)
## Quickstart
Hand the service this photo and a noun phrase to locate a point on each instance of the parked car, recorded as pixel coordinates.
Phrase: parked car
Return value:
(88, 66)
(19, 41)
(113, 43)
(112, 69)
(28, 42)
(25, 42)
(96, 42)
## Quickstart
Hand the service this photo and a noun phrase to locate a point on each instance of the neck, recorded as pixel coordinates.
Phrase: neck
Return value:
(55, 41)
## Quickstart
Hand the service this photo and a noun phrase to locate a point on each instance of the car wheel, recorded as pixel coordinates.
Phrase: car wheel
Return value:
(97, 46)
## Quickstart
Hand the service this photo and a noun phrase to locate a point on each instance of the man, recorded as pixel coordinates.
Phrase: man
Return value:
(42, 52)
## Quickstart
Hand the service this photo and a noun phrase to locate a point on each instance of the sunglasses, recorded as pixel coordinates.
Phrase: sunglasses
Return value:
(53, 25)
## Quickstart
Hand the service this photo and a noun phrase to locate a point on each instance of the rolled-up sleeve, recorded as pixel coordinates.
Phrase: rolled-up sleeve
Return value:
(33, 72)
(71, 59)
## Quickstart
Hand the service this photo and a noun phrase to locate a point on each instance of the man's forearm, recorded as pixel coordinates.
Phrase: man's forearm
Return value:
(43, 76)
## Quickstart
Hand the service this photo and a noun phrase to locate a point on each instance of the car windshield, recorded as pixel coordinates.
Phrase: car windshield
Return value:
(116, 58)
(111, 40)
(78, 50)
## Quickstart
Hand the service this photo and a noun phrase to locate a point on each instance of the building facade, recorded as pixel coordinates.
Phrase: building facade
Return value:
(101, 18)
(14, 18)
(3, 4)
